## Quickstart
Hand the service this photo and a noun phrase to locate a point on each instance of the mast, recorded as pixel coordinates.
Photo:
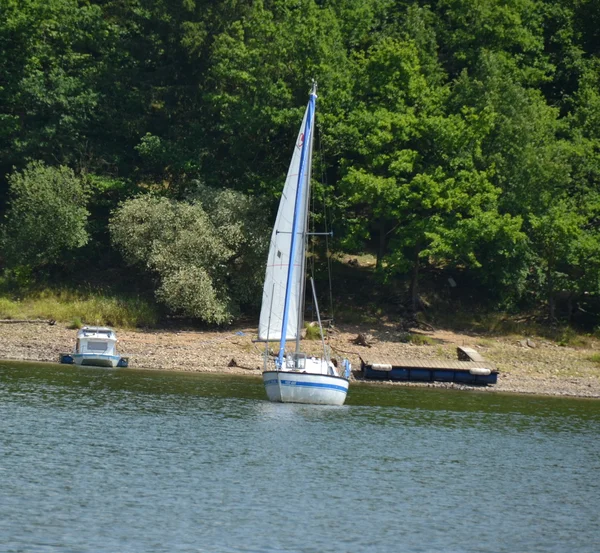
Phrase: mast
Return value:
(298, 212)
(302, 296)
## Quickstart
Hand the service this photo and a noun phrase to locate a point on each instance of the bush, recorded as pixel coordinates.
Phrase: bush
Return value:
(207, 254)
(46, 216)
(75, 324)
(416, 339)
(313, 332)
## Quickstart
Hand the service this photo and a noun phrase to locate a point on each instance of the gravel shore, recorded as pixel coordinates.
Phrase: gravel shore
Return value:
(534, 366)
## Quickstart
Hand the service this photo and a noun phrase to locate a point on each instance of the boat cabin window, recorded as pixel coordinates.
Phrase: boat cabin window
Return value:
(299, 360)
(97, 346)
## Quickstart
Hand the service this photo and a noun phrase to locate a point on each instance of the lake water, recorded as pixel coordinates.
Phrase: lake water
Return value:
(96, 460)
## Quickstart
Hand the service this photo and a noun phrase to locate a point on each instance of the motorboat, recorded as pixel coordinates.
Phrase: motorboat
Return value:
(95, 346)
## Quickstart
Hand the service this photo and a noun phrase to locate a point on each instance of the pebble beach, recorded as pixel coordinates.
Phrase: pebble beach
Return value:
(526, 365)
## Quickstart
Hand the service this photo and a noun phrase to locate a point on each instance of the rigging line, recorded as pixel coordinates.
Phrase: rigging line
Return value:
(325, 220)
(312, 242)
(313, 220)
(269, 327)
(313, 229)
(325, 356)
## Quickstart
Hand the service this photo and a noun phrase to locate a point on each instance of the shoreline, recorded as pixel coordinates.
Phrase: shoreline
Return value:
(540, 368)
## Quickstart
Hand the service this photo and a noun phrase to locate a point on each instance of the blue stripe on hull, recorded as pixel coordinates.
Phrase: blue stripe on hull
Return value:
(296, 384)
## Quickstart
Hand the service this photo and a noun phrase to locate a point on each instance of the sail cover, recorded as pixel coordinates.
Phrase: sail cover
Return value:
(276, 276)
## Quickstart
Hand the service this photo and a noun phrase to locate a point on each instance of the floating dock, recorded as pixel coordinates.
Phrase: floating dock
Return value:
(475, 370)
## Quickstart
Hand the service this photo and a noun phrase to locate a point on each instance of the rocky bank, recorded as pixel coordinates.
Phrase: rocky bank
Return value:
(528, 365)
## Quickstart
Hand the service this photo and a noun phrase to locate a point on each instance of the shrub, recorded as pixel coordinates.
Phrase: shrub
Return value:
(416, 339)
(75, 324)
(46, 216)
(312, 331)
(207, 254)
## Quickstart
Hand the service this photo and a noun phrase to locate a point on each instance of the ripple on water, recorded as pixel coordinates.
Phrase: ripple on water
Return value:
(104, 461)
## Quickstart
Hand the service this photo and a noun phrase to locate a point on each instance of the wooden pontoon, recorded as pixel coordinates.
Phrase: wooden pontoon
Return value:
(470, 369)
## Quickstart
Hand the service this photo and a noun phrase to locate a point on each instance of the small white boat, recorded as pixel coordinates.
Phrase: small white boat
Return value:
(95, 346)
(295, 377)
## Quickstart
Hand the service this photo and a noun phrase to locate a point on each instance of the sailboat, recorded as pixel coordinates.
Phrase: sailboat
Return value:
(295, 377)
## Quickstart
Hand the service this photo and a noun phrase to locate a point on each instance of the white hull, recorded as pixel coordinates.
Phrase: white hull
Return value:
(96, 359)
(302, 387)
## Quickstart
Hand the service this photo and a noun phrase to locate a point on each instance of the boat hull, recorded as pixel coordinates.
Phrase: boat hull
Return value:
(94, 360)
(302, 387)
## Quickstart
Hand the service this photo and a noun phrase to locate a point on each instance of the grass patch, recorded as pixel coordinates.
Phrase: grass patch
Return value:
(357, 260)
(569, 337)
(75, 324)
(595, 358)
(485, 342)
(524, 325)
(312, 331)
(416, 339)
(79, 309)
(9, 309)
(493, 324)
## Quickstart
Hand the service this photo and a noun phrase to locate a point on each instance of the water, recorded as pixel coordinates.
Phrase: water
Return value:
(96, 460)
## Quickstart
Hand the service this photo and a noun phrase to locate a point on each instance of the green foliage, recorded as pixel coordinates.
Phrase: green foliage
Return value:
(47, 216)
(416, 339)
(75, 307)
(567, 336)
(204, 252)
(313, 332)
(459, 136)
(49, 92)
(9, 309)
(470, 26)
(75, 323)
(413, 177)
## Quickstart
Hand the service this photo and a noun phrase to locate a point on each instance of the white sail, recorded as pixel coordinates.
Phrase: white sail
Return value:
(271, 315)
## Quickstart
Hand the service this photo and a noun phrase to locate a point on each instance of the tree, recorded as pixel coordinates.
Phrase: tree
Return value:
(518, 144)
(46, 217)
(47, 95)
(412, 171)
(566, 250)
(203, 252)
(513, 27)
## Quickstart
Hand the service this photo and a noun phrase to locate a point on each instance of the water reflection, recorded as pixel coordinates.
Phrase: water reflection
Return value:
(132, 389)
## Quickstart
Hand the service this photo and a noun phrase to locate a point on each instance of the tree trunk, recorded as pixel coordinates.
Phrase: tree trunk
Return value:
(381, 247)
(551, 301)
(414, 284)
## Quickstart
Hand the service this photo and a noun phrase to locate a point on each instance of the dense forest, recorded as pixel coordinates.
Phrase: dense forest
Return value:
(144, 144)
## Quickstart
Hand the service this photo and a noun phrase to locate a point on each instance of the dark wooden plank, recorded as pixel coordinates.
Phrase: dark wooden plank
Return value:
(469, 354)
